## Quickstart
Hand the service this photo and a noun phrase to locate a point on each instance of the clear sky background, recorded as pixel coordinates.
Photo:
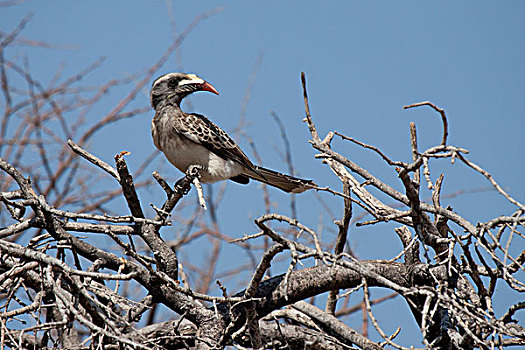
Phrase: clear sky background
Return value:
(363, 62)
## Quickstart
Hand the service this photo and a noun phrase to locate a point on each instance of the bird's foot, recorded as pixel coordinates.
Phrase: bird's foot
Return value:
(193, 171)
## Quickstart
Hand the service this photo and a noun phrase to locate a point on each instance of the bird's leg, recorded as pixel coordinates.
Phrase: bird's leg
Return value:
(193, 171)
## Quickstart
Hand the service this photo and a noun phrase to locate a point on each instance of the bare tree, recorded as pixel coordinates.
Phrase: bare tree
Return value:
(59, 288)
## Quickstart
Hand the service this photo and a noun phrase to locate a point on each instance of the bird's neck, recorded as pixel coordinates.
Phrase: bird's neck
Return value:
(174, 101)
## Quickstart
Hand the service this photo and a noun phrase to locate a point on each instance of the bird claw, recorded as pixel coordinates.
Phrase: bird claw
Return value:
(193, 171)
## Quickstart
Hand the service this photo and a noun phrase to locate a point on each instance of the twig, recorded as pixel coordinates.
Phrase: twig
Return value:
(491, 179)
(93, 159)
(128, 187)
(375, 323)
(375, 149)
(337, 328)
(340, 242)
(441, 112)
(200, 194)
(415, 153)
(308, 118)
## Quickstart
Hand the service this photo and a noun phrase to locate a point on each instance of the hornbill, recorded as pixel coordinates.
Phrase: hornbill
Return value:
(190, 139)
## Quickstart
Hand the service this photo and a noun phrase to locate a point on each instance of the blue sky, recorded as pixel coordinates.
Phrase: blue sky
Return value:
(363, 61)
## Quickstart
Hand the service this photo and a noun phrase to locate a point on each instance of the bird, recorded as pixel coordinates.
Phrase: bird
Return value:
(191, 139)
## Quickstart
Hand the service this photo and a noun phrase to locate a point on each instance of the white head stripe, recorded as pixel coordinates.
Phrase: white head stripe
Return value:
(162, 78)
(189, 79)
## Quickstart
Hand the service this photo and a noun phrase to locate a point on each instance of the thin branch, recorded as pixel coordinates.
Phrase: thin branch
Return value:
(440, 111)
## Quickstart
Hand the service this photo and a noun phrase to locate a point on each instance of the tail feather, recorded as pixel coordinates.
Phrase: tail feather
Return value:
(283, 182)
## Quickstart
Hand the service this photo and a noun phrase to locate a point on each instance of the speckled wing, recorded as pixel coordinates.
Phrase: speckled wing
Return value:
(200, 130)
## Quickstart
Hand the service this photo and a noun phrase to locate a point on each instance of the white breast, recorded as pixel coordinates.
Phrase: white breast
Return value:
(182, 152)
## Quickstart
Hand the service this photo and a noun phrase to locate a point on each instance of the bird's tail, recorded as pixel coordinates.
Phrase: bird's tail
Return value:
(283, 182)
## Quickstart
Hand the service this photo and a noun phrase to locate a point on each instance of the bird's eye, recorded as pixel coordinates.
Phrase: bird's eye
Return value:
(173, 82)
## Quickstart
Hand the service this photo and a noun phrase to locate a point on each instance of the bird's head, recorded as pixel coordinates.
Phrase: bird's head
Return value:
(175, 86)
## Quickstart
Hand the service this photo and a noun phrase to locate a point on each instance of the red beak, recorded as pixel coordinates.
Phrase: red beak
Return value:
(208, 87)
